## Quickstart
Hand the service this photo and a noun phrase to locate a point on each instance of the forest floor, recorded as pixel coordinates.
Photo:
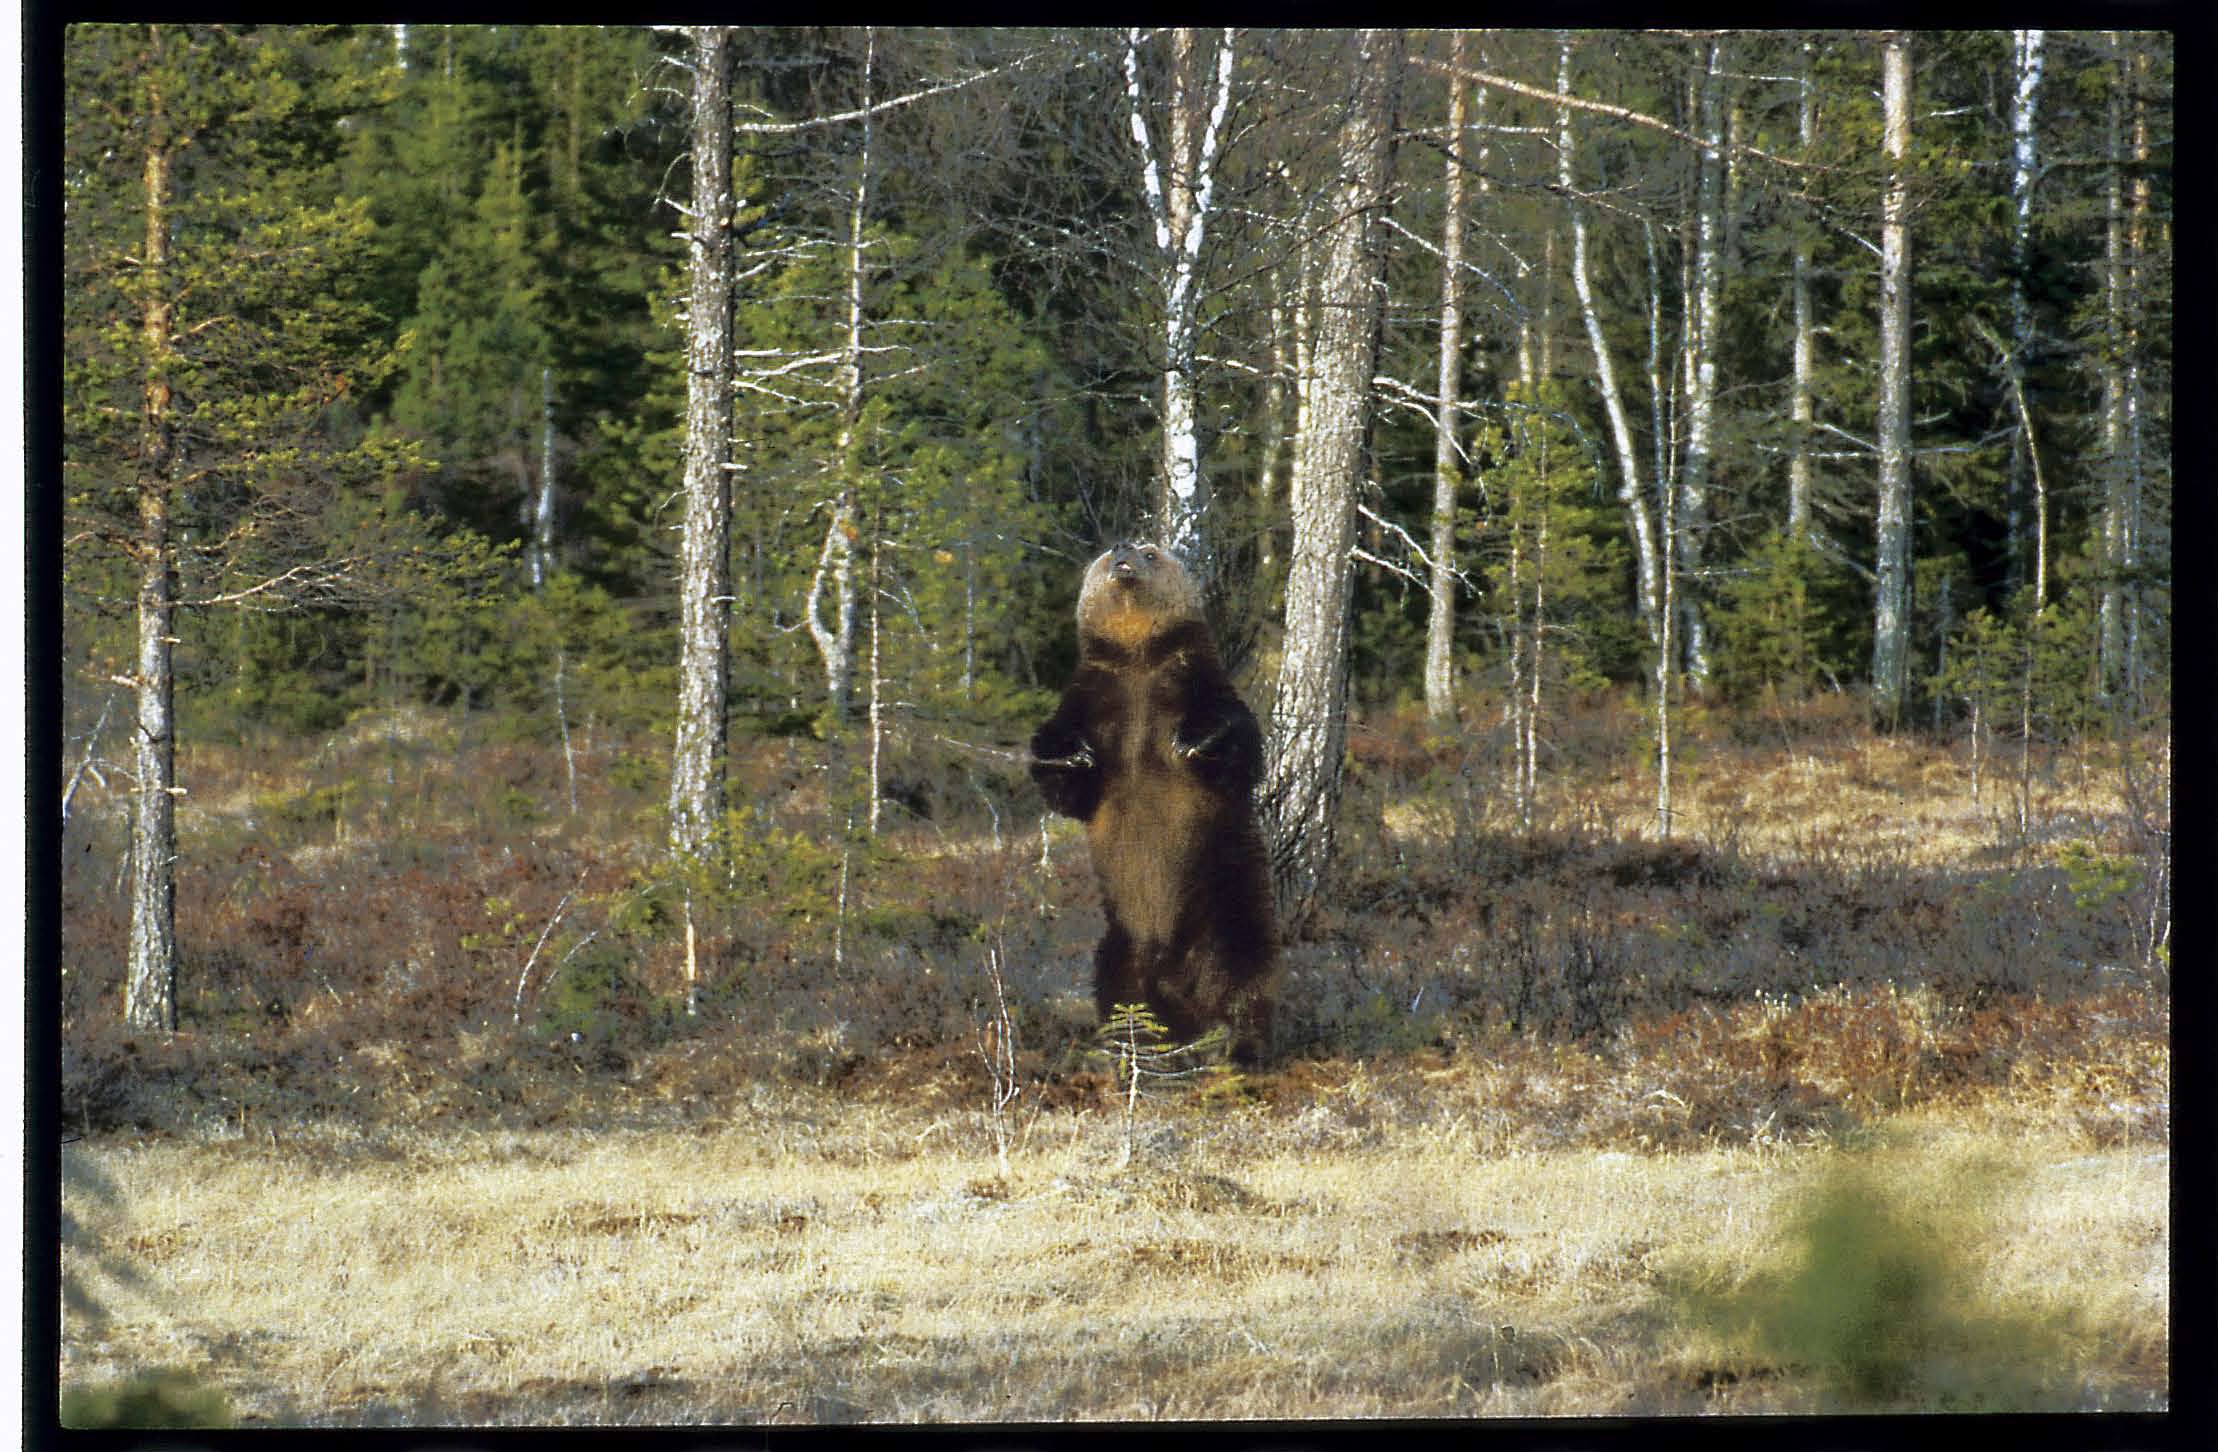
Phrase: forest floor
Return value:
(806, 1261)
(1858, 1099)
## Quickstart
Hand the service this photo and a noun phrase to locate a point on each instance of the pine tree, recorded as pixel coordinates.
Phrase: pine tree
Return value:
(214, 336)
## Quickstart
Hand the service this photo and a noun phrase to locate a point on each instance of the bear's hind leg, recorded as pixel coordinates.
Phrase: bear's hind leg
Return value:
(1117, 976)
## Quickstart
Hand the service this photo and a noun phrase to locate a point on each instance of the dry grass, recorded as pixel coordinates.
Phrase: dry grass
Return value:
(1568, 1123)
(807, 1261)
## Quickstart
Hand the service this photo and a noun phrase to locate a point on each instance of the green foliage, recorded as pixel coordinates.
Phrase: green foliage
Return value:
(590, 998)
(1138, 1047)
(154, 1400)
(1553, 541)
(2098, 879)
(1877, 1299)
(1777, 622)
(2027, 672)
(747, 866)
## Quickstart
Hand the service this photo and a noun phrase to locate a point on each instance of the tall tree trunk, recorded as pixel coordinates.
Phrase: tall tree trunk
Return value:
(150, 984)
(1801, 404)
(1178, 182)
(1629, 490)
(1447, 458)
(835, 566)
(543, 498)
(2024, 171)
(1890, 651)
(1692, 507)
(1302, 769)
(2137, 236)
(1667, 644)
(697, 762)
(150, 988)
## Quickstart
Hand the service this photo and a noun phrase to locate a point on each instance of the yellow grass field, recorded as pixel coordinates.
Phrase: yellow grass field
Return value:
(804, 1260)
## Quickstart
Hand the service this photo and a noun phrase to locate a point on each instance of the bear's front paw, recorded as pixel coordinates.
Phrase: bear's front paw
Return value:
(1188, 750)
(1081, 759)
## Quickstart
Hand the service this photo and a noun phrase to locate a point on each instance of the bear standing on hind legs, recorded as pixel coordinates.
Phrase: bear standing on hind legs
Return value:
(1155, 752)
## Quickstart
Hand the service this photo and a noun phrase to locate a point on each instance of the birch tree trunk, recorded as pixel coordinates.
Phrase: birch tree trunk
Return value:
(697, 761)
(150, 983)
(1692, 507)
(1801, 401)
(835, 565)
(1629, 491)
(543, 501)
(2024, 170)
(1447, 461)
(1302, 768)
(1179, 182)
(1890, 651)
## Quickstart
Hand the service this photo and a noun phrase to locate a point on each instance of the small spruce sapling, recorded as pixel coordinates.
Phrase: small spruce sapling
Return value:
(1135, 1041)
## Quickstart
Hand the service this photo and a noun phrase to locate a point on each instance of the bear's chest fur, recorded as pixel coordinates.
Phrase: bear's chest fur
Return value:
(1155, 818)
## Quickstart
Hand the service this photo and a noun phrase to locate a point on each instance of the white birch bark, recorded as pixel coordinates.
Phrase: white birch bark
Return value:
(1692, 505)
(1629, 491)
(1447, 463)
(1801, 407)
(1890, 658)
(1179, 185)
(2024, 171)
(835, 566)
(543, 500)
(697, 759)
(1303, 754)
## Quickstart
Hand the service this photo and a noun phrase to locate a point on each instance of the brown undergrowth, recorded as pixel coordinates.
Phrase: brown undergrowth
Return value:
(1544, 1105)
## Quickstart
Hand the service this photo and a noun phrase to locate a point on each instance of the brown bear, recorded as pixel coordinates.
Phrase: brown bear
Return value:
(1155, 752)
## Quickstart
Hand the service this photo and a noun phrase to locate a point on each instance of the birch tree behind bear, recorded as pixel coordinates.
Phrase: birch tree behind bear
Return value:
(1178, 174)
(1308, 736)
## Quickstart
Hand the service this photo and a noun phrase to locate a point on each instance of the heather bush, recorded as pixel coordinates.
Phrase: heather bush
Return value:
(349, 945)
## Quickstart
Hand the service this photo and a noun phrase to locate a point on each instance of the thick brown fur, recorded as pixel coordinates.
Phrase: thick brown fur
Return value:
(1155, 752)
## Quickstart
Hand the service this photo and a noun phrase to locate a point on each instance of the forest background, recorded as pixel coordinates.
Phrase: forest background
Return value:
(1692, 510)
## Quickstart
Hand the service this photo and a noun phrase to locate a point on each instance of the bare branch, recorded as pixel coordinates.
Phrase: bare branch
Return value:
(879, 108)
(1601, 108)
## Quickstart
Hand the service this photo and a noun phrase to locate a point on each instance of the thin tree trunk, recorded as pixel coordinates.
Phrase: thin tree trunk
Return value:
(2024, 169)
(1447, 463)
(697, 761)
(2137, 228)
(835, 565)
(1528, 784)
(1629, 490)
(877, 698)
(1890, 661)
(1277, 386)
(543, 504)
(1801, 405)
(1178, 188)
(150, 984)
(2110, 607)
(1692, 505)
(1303, 757)
(1667, 531)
